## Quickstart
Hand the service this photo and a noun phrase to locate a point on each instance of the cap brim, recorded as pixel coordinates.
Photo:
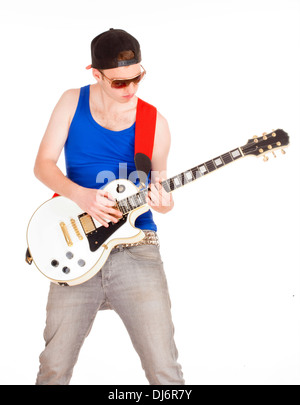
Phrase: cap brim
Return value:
(89, 67)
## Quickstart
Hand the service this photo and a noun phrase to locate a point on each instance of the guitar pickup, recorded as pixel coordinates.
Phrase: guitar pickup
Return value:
(87, 223)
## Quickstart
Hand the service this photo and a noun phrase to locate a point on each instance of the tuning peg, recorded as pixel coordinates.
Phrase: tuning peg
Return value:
(283, 151)
(265, 158)
(274, 154)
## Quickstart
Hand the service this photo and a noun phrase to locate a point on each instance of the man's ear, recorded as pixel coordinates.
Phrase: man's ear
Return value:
(97, 75)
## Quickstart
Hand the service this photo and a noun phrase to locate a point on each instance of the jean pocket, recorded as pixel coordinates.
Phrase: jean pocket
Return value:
(149, 253)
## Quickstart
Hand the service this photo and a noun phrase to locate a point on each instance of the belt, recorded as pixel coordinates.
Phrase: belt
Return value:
(150, 238)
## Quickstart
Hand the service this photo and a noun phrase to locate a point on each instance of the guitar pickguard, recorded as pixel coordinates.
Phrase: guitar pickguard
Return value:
(98, 236)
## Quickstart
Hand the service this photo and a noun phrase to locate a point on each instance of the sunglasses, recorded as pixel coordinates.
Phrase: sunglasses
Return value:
(121, 83)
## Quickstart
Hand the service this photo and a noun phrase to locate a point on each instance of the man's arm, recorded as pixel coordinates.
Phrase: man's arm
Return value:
(158, 198)
(97, 203)
(56, 134)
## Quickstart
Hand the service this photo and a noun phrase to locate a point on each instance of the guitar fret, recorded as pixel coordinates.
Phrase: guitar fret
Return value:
(127, 205)
(188, 176)
(177, 181)
(144, 195)
(203, 169)
(166, 186)
(139, 196)
(210, 166)
(227, 158)
(121, 207)
(218, 162)
(133, 201)
(183, 180)
(137, 203)
(235, 154)
(196, 172)
(172, 187)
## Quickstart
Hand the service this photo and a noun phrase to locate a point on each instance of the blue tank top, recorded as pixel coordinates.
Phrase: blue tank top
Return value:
(95, 155)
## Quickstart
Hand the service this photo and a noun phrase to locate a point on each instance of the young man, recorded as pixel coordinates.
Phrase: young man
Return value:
(96, 127)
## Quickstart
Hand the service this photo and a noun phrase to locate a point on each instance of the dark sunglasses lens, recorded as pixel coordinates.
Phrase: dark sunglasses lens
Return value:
(137, 79)
(119, 84)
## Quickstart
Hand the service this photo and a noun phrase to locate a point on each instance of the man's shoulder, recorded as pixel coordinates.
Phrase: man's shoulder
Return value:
(70, 95)
(162, 122)
(68, 101)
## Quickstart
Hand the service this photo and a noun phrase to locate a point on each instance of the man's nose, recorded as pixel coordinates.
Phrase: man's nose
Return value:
(132, 87)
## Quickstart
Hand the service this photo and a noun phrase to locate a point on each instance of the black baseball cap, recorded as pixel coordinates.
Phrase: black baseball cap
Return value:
(106, 47)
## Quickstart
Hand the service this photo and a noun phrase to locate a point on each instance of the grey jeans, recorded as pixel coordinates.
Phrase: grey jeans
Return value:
(132, 282)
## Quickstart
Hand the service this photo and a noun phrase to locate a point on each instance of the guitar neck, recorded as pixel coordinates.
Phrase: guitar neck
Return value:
(130, 203)
(196, 172)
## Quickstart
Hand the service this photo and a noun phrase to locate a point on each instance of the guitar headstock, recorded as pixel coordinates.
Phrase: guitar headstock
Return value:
(266, 143)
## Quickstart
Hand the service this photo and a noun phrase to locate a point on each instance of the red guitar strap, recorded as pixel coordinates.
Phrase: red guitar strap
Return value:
(145, 128)
(144, 136)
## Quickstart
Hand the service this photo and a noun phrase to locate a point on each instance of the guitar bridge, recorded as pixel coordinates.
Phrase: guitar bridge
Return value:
(66, 233)
(74, 225)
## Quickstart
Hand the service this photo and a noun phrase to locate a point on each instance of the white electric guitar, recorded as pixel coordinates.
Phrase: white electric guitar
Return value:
(69, 247)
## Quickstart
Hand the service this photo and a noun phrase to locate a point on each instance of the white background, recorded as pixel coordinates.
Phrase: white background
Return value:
(220, 72)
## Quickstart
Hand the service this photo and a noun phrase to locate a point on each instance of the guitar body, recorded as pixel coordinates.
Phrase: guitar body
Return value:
(68, 246)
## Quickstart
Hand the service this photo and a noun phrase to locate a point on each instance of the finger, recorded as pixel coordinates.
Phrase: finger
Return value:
(109, 217)
(106, 202)
(166, 197)
(101, 216)
(106, 194)
(149, 202)
(105, 198)
(154, 197)
(115, 212)
(101, 221)
(166, 201)
(159, 187)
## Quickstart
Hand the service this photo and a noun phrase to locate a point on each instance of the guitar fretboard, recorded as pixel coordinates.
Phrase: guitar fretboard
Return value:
(136, 200)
